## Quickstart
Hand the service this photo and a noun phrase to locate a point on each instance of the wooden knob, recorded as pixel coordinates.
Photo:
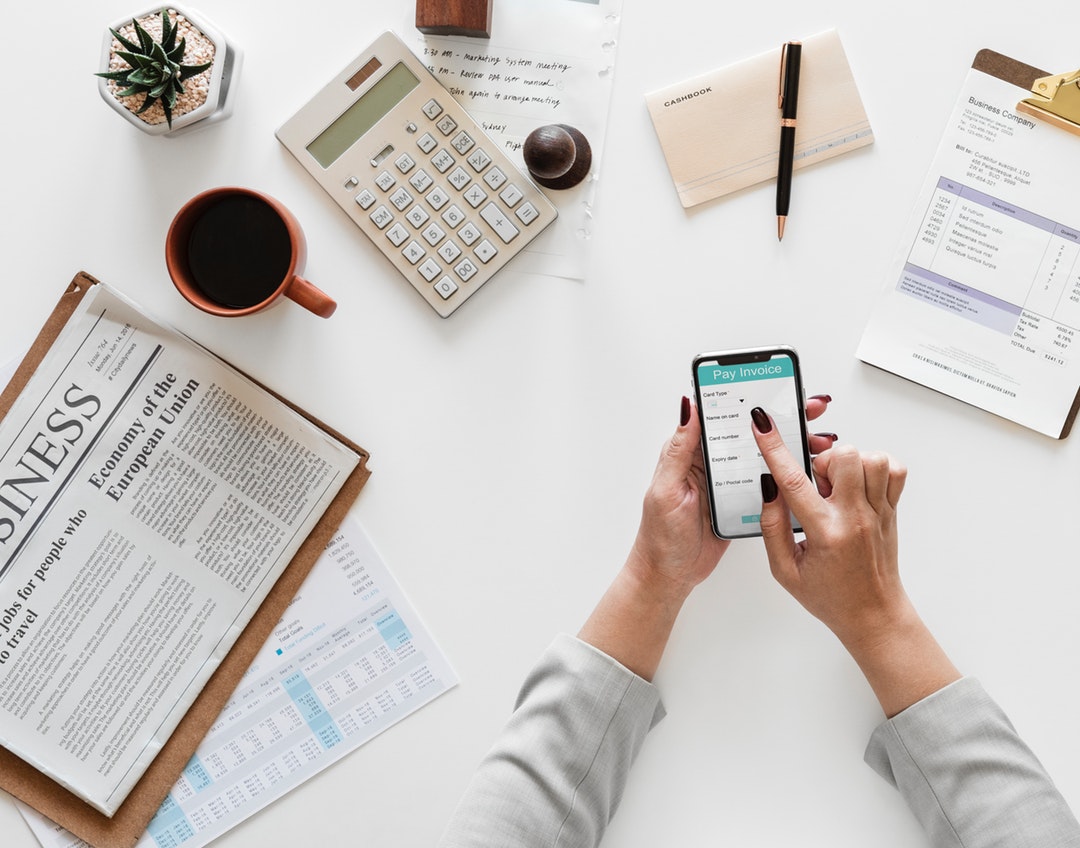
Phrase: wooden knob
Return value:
(557, 156)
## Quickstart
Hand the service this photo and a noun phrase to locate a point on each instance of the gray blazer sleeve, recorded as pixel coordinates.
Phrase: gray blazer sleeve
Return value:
(556, 773)
(968, 777)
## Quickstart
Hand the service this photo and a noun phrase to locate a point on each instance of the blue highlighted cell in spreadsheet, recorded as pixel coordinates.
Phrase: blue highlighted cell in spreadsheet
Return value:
(170, 827)
(393, 630)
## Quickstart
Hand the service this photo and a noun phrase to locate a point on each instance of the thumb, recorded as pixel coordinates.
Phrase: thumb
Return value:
(677, 457)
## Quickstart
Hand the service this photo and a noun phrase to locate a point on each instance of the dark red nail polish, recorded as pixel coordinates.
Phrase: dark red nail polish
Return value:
(684, 411)
(768, 488)
(761, 420)
(826, 398)
(832, 437)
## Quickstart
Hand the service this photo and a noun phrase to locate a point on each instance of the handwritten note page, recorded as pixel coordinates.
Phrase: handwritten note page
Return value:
(350, 659)
(547, 62)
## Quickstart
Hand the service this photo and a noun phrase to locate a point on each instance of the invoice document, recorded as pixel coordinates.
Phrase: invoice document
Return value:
(983, 299)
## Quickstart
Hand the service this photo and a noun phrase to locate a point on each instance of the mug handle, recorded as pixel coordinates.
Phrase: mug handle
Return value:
(310, 297)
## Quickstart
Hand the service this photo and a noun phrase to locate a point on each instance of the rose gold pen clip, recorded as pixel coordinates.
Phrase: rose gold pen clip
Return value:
(780, 88)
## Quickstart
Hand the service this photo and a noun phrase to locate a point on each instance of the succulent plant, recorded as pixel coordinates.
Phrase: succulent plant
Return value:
(154, 67)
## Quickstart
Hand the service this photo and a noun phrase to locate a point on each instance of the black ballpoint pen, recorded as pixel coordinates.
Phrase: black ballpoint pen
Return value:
(788, 102)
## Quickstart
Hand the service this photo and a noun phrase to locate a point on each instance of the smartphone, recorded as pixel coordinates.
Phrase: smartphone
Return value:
(727, 385)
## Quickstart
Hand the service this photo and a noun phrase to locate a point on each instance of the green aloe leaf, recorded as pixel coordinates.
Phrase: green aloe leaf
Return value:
(146, 42)
(145, 76)
(168, 32)
(127, 45)
(188, 71)
(136, 60)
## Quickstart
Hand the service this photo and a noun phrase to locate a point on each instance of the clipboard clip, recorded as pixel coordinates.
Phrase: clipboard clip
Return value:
(1056, 100)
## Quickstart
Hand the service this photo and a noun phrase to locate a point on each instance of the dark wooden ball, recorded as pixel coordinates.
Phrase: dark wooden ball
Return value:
(557, 156)
(549, 152)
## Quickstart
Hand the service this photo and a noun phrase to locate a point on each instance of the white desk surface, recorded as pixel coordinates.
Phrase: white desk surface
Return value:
(511, 444)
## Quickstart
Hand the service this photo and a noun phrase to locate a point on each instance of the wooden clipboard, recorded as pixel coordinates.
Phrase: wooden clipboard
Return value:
(124, 829)
(1003, 68)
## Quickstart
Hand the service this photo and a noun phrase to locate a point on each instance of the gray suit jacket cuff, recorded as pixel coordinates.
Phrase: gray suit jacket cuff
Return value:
(968, 777)
(556, 773)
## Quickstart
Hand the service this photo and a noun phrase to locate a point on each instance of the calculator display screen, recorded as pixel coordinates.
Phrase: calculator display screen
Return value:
(362, 115)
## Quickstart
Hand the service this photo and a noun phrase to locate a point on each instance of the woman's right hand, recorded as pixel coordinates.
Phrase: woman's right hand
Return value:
(845, 572)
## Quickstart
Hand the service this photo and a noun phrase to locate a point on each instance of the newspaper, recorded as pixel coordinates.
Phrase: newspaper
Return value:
(150, 496)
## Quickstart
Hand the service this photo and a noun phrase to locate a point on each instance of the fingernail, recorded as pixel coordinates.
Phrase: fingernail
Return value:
(832, 437)
(761, 420)
(684, 412)
(768, 488)
(826, 398)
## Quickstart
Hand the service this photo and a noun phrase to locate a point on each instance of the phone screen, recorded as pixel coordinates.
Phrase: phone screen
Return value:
(728, 386)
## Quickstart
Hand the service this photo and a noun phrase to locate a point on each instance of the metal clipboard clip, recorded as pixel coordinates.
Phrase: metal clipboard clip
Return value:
(1056, 100)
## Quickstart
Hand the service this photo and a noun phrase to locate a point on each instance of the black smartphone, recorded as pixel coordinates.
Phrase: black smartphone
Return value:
(727, 385)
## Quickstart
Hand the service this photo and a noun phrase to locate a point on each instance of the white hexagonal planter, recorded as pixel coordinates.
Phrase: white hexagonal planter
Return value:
(219, 80)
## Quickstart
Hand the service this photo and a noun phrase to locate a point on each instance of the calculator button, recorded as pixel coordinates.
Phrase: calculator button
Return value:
(429, 269)
(475, 196)
(421, 181)
(442, 161)
(485, 251)
(469, 233)
(405, 163)
(446, 124)
(365, 198)
(432, 109)
(433, 233)
(381, 217)
(459, 178)
(427, 142)
(401, 199)
(417, 216)
(526, 213)
(511, 195)
(463, 142)
(495, 178)
(466, 269)
(385, 181)
(449, 251)
(479, 160)
(499, 222)
(413, 252)
(397, 234)
(446, 287)
(437, 198)
(453, 216)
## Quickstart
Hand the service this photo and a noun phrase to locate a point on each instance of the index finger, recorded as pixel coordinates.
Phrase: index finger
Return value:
(794, 483)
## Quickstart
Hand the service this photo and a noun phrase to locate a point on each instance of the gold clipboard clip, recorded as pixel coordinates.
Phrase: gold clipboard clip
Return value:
(1056, 100)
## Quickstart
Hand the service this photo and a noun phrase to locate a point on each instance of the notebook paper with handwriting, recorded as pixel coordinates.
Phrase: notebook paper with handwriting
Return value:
(720, 131)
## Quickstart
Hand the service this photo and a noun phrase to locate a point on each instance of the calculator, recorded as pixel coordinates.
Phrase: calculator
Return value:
(417, 174)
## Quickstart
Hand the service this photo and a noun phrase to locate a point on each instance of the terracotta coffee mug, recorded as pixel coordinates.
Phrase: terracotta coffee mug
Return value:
(233, 251)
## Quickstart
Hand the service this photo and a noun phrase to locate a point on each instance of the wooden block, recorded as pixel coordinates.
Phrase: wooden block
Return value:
(454, 17)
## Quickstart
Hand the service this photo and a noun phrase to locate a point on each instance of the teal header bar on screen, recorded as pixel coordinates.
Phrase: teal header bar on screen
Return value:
(712, 374)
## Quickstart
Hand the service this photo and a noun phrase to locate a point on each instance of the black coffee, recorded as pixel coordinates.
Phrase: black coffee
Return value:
(239, 251)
